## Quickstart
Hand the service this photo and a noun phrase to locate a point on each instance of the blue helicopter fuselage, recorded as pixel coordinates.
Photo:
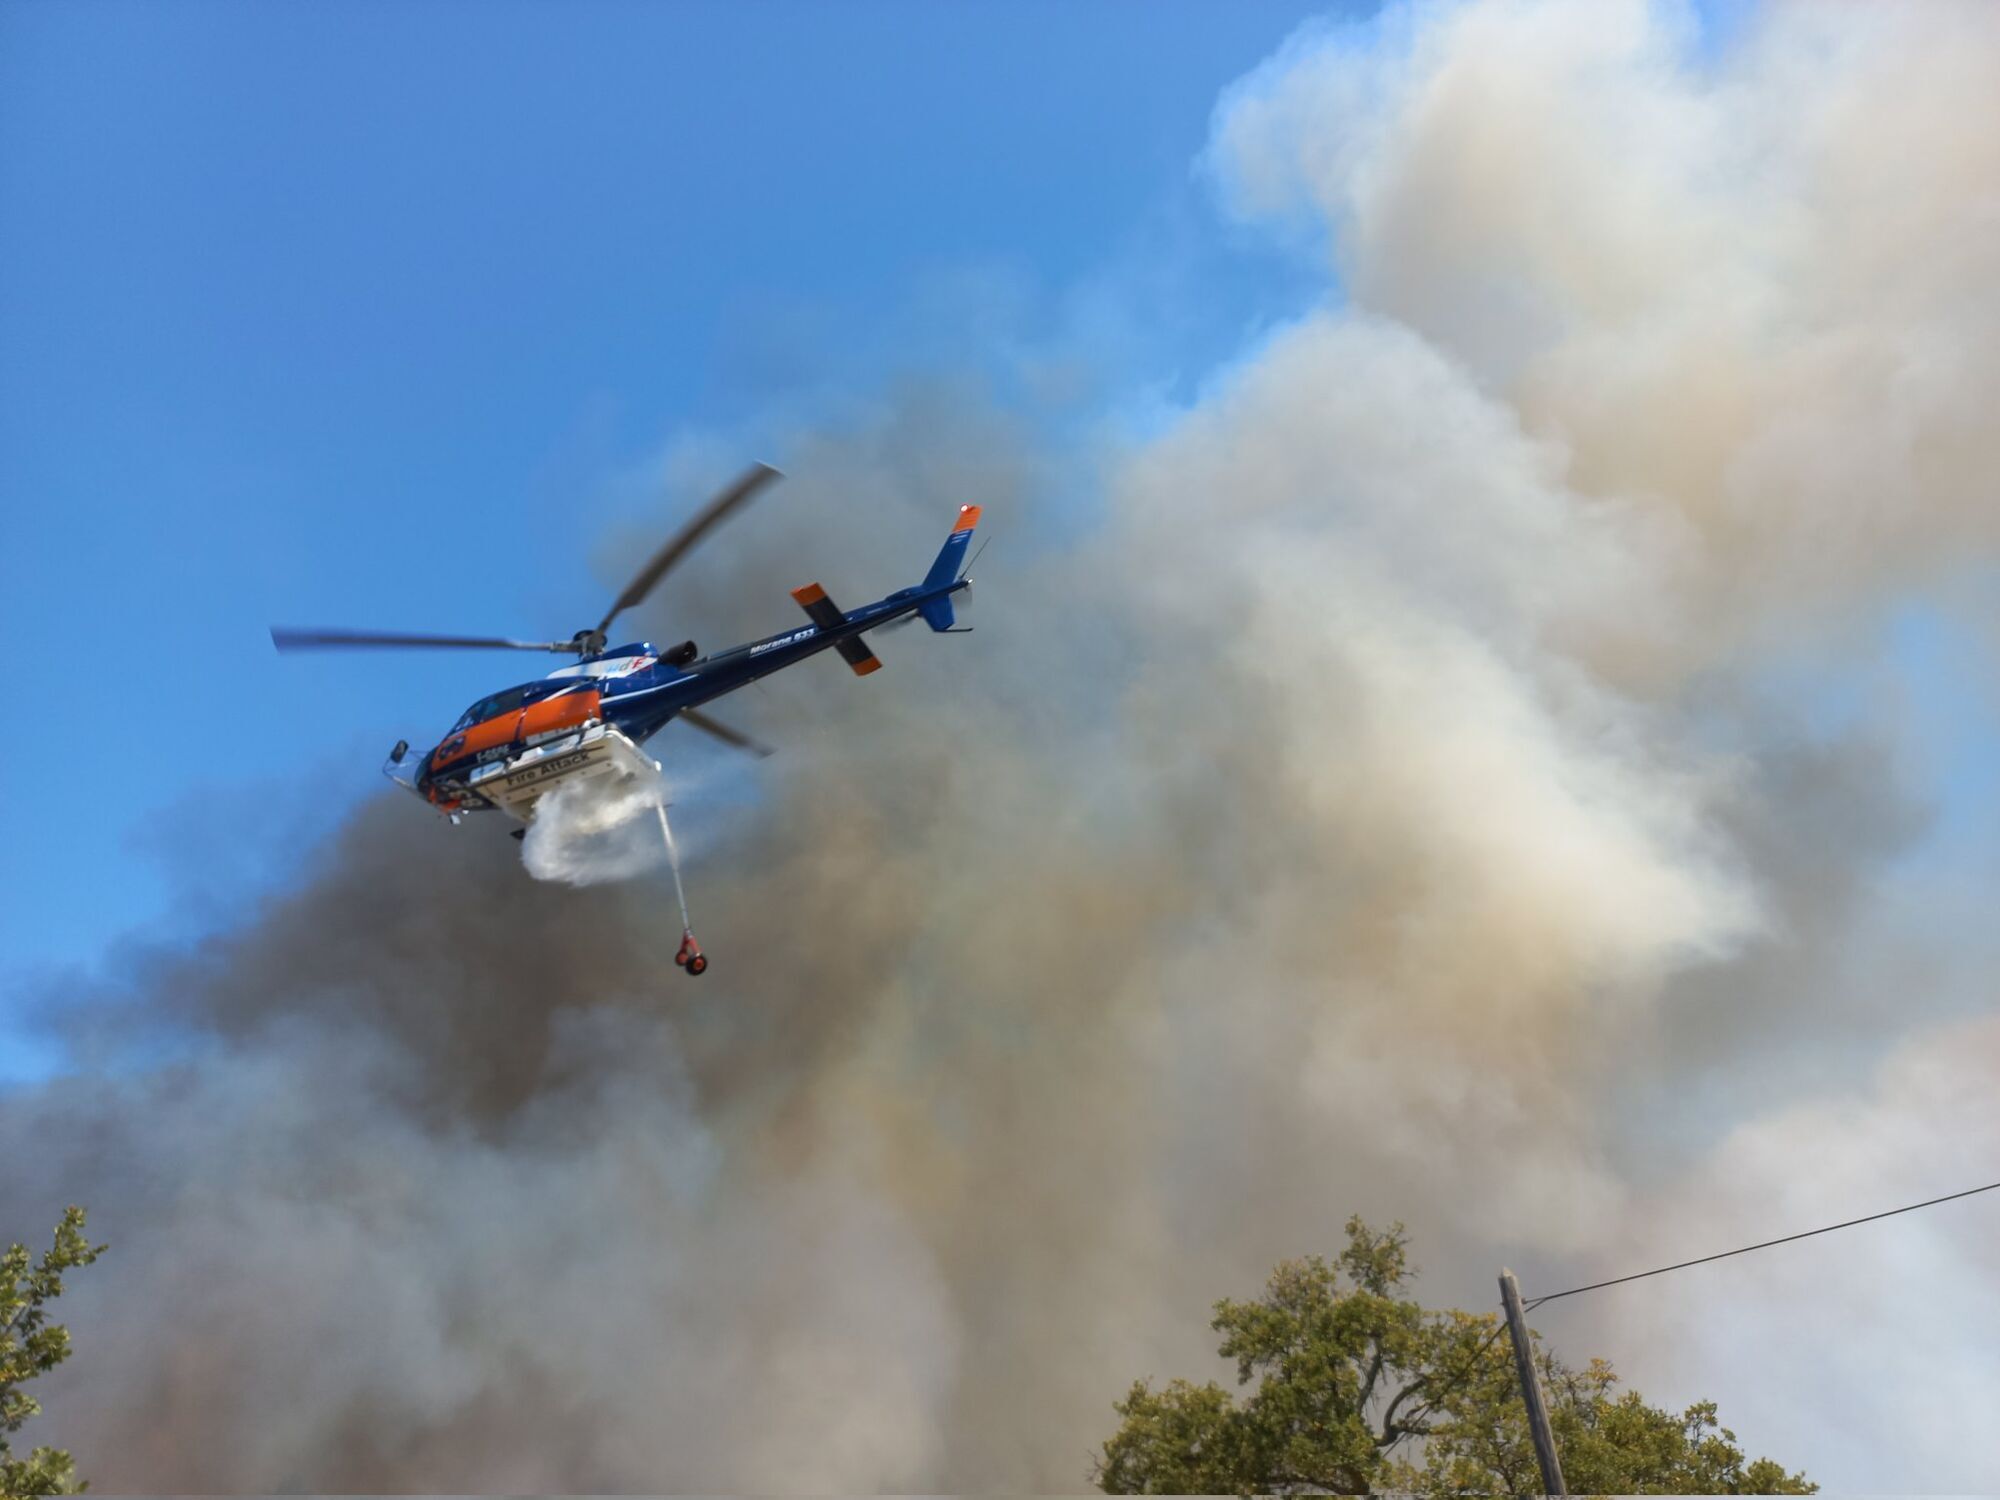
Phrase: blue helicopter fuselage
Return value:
(636, 690)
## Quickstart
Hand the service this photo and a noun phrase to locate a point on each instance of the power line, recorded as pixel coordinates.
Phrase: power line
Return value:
(1807, 1234)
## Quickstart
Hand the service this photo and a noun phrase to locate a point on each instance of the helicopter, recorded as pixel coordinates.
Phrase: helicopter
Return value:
(587, 721)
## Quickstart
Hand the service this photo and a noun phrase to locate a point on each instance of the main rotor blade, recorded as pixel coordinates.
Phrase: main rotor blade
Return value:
(747, 484)
(310, 640)
(724, 733)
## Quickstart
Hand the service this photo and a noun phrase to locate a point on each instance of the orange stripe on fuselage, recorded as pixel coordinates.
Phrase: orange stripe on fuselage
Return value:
(811, 594)
(475, 738)
(562, 712)
(968, 517)
(873, 663)
(559, 712)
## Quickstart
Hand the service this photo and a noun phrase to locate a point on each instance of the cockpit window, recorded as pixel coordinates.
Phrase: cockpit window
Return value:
(493, 707)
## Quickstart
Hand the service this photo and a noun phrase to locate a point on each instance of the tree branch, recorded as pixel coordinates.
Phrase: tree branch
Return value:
(1368, 1382)
(1392, 1434)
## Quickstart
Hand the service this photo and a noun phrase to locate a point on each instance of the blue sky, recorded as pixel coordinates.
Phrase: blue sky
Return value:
(369, 314)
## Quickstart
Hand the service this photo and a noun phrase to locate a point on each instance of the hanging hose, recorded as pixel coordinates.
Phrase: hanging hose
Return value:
(673, 863)
(690, 957)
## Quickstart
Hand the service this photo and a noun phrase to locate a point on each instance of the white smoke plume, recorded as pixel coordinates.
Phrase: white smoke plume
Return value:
(1387, 798)
(1871, 1343)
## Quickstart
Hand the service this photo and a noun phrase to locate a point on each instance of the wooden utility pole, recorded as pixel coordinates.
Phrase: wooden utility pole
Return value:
(1531, 1388)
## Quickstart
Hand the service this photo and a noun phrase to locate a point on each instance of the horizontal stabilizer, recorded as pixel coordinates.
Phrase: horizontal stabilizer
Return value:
(826, 614)
(854, 651)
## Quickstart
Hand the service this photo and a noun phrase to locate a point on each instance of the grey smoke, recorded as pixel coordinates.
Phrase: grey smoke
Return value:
(1377, 801)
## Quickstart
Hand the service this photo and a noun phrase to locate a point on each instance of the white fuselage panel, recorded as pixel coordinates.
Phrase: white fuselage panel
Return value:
(596, 751)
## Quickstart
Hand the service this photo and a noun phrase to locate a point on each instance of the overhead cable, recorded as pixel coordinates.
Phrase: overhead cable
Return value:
(1804, 1234)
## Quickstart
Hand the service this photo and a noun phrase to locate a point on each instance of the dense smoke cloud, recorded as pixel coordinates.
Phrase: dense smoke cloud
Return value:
(1375, 802)
(1872, 1342)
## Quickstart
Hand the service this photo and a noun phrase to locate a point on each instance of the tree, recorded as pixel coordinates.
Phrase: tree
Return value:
(1360, 1389)
(31, 1345)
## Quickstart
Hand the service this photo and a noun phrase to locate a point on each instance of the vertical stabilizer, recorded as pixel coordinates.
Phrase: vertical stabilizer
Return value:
(938, 613)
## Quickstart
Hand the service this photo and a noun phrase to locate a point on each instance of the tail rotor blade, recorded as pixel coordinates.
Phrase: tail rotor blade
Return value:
(723, 732)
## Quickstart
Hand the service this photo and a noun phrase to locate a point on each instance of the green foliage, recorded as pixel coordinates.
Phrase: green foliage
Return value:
(31, 1345)
(1359, 1389)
